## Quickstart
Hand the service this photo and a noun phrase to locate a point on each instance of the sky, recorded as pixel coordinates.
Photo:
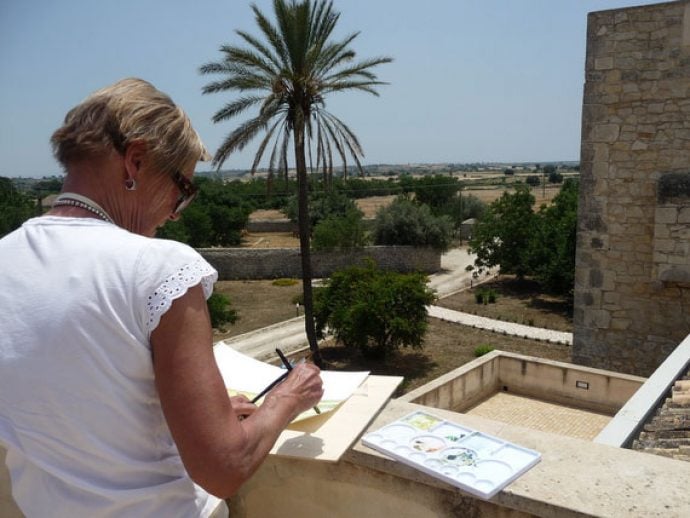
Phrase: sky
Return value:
(471, 80)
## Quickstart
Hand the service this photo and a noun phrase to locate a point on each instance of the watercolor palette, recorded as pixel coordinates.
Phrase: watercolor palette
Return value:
(473, 461)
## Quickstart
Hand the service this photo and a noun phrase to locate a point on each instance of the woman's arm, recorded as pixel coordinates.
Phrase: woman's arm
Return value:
(219, 451)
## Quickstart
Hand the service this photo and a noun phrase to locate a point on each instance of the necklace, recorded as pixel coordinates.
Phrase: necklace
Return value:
(77, 200)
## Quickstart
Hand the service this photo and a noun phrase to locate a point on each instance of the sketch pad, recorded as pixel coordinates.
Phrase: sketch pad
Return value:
(351, 401)
(473, 461)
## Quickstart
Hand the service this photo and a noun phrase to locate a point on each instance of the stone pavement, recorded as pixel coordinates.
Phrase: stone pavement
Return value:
(499, 326)
(289, 336)
(541, 415)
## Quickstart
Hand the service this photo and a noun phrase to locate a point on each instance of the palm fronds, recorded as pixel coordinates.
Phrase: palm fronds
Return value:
(286, 71)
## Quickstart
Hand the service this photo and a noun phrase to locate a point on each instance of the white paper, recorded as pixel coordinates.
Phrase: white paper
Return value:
(243, 374)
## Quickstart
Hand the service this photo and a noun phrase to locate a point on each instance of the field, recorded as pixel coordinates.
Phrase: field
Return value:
(447, 346)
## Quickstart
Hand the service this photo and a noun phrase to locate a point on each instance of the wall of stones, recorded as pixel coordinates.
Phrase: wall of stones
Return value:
(632, 286)
(273, 263)
(271, 225)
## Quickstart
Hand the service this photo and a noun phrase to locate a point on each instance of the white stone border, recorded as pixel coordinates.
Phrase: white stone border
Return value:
(626, 424)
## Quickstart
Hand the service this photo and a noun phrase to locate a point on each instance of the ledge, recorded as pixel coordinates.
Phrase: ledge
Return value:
(627, 423)
(574, 477)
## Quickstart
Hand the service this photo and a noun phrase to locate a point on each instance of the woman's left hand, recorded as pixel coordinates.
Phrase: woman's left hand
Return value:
(242, 406)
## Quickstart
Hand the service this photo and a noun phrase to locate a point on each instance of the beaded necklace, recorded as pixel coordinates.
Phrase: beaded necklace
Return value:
(77, 200)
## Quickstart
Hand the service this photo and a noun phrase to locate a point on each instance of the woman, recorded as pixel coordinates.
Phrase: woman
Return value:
(111, 403)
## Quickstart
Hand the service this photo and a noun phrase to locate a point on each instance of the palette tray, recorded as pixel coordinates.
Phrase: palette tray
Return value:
(473, 461)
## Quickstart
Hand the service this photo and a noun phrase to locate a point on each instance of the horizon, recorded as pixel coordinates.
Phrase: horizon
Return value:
(499, 82)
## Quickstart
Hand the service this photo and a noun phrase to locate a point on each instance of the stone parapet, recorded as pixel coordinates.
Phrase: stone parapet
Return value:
(273, 263)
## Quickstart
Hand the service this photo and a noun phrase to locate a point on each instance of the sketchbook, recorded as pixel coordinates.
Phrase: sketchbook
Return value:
(473, 461)
(351, 401)
(244, 375)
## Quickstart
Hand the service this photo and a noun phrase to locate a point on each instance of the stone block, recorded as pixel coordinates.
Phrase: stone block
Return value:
(600, 318)
(684, 215)
(605, 63)
(667, 215)
(605, 133)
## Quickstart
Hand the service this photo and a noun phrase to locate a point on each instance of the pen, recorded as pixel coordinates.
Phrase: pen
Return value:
(278, 380)
(288, 366)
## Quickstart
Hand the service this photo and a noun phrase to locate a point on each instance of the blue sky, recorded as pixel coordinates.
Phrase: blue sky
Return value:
(472, 81)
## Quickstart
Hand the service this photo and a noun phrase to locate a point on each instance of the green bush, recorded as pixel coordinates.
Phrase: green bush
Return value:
(344, 232)
(483, 349)
(405, 223)
(220, 310)
(533, 180)
(15, 207)
(374, 310)
(322, 205)
(485, 296)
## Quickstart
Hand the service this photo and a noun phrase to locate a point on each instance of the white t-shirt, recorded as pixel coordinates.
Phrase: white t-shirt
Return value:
(79, 412)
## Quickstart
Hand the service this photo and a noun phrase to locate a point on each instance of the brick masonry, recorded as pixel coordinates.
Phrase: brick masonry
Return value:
(668, 432)
(632, 286)
(273, 263)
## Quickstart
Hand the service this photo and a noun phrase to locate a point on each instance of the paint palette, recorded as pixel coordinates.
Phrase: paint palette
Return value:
(473, 461)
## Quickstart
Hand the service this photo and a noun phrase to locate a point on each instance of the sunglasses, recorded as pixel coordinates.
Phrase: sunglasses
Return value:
(188, 191)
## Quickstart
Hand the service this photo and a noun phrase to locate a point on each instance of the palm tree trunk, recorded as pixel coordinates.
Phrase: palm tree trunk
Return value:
(304, 236)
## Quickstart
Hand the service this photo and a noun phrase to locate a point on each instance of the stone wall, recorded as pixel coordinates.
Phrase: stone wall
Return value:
(271, 225)
(632, 286)
(273, 263)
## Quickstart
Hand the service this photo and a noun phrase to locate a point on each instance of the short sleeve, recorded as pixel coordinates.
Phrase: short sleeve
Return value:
(165, 272)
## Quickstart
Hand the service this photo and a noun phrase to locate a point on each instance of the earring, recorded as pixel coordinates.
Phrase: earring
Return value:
(130, 184)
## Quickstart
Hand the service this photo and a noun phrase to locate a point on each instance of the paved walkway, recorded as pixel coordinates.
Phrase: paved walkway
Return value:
(452, 278)
(499, 326)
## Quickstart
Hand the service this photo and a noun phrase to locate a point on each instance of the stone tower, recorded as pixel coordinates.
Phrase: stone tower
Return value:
(632, 286)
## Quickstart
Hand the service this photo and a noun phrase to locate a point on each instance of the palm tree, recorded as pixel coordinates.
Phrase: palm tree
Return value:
(286, 74)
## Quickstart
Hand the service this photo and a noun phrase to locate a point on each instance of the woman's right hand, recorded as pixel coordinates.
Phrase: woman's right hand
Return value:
(303, 387)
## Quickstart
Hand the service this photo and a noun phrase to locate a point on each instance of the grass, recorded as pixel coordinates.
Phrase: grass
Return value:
(447, 346)
(258, 304)
(517, 301)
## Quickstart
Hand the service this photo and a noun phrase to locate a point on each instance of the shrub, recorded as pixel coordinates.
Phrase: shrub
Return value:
(485, 296)
(533, 180)
(483, 349)
(374, 310)
(405, 223)
(322, 205)
(284, 282)
(220, 310)
(340, 232)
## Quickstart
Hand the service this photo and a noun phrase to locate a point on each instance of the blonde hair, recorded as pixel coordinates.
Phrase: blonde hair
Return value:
(131, 109)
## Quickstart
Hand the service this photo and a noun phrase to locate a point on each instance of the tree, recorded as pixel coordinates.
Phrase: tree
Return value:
(435, 191)
(555, 177)
(216, 219)
(502, 236)
(344, 232)
(533, 180)
(287, 76)
(322, 205)
(551, 252)
(15, 207)
(405, 223)
(374, 310)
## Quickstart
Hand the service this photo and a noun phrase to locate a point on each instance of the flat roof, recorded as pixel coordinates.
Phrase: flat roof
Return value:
(541, 415)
